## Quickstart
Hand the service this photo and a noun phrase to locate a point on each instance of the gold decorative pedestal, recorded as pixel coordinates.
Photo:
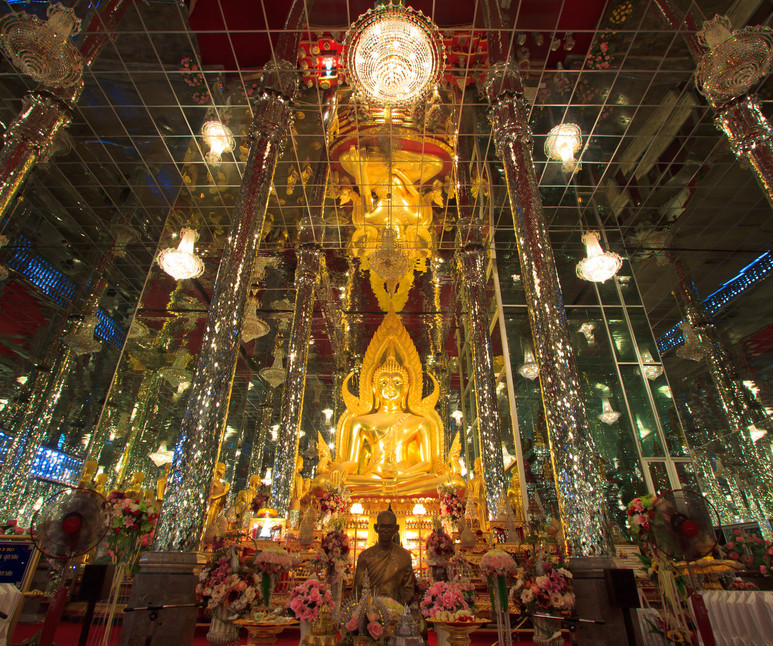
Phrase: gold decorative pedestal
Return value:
(459, 632)
(263, 634)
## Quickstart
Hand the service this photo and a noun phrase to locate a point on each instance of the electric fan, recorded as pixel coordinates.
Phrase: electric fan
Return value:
(69, 524)
(683, 530)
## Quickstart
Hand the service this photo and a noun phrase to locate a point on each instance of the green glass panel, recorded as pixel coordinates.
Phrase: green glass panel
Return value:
(645, 426)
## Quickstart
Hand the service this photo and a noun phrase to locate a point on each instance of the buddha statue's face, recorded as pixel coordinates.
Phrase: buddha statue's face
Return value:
(390, 386)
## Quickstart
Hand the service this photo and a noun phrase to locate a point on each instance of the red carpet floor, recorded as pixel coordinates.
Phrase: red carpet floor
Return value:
(68, 634)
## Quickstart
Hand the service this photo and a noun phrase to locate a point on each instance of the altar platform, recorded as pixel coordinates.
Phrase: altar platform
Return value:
(68, 632)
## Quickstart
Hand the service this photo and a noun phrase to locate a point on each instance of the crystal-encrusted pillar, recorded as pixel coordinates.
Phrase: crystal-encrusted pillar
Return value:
(752, 468)
(306, 276)
(45, 113)
(260, 435)
(187, 494)
(579, 484)
(472, 269)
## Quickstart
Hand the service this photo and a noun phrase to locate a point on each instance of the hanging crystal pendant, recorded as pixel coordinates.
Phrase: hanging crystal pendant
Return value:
(390, 262)
(254, 327)
(608, 415)
(693, 348)
(182, 263)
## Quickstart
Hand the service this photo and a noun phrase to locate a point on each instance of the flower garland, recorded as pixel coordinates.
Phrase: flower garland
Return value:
(273, 561)
(442, 599)
(308, 598)
(542, 586)
(132, 526)
(451, 505)
(496, 563)
(222, 585)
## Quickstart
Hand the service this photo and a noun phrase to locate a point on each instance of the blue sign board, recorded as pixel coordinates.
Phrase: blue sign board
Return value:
(15, 560)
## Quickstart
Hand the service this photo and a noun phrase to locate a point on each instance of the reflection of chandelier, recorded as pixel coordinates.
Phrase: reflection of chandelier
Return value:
(735, 61)
(181, 263)
(600, 265)
(275, 374)
(81, 340)
(162, 455)
(651, 372)
(219, 139)
(529, 367)
(608, 415)
(562, 143)
(42, 48)
(253, 327)
(390, 261)
(693, 348)
(587, 329)
(176, 374)
(394, 55)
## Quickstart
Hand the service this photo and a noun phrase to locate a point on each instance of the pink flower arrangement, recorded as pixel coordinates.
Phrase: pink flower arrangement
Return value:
(307, 599)
(365, 618)
(333, 554)
(442, 597)
(132, 524)
(332, 502)
(640, 513)
(12, 527)
(192, 76)
(542, 586)
(440, 547)
(753, 552)
(496, 563)
(223, 587)
(451, 505)
(273, 561)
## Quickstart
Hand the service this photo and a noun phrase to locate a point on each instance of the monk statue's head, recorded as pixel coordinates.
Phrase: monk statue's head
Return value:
(391, 383)
(386, 528)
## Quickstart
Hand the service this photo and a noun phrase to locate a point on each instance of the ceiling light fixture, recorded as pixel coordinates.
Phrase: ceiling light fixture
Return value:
(736, 60)
(219, 139)
(394, 55)
(608, 414)
(562, 143)
(182, 263)
(42, 49)
(254, 327)
(275, 374)
(529, 368)
(600, 265)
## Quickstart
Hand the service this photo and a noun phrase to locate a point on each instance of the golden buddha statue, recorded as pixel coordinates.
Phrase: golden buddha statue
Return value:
(99, 483)
(388, 565)
(134, 488)
(161, 482)
(514, 495)
(476, 494)
(217, 493)
(389, 441)
(300, 486)
(89, 468)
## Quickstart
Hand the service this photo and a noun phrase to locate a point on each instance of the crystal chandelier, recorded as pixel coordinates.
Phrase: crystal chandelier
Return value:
(529, 367)
(693, 348)
(182, 262)
(562, 143)
(219, 139)
(736, 60)
(276, 373)
(253, 327)
(600, 265)
(81, 340)
(651, 372)
(394, 55)
(390, 261)
(42, 49)
(608, 415)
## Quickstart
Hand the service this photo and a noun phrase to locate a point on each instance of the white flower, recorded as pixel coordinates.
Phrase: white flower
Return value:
(565, 572)
(527, 595)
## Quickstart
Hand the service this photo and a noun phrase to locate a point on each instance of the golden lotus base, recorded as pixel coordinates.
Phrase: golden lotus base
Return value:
(263, 634)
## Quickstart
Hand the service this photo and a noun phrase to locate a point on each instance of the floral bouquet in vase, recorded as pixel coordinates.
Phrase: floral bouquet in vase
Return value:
(132, 524)
(229, 586)
(451, 505)
(751, 551)
(496, 566)
(307, 599)
(543, 587)
(440, 546)
(270, 564)
(333, 501)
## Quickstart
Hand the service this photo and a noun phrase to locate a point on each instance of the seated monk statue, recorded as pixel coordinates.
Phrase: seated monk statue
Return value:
(388, 564)
(389, 441)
